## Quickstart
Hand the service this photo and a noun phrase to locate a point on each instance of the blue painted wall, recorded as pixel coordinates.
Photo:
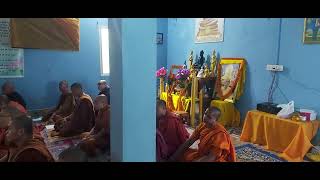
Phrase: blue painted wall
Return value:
(299, 81)
(162, 24)
(45, 68)
(253, 39)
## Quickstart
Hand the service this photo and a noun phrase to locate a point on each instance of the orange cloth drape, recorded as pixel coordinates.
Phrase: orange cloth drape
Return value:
(290, 138)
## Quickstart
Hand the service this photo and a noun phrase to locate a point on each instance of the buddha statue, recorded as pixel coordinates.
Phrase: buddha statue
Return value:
(201, 73)
(200, 60)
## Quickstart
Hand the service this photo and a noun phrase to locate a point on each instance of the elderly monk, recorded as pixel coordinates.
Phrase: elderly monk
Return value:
(98, 139)
(215, 143)
(9, 90)
(65, 106)
(82, 118)
(171, 127)
(23, 145)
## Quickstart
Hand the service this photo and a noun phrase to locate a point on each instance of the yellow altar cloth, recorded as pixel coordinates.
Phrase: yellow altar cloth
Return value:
(290, 138)
(230, 116)
(175, 98)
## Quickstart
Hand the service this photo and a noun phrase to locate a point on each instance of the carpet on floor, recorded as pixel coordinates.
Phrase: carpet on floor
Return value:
(251, 153)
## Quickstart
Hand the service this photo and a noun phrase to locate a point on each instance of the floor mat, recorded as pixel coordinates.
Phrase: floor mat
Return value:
(251, 153)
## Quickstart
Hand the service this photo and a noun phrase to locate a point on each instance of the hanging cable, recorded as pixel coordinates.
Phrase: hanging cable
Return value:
(274, 76)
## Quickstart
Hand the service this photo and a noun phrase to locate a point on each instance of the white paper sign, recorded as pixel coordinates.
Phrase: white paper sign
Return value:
(11, 59)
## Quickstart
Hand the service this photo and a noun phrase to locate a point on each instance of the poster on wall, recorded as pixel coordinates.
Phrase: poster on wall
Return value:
(311, 33)
(209, 30)
(11, 59)
(46, 33)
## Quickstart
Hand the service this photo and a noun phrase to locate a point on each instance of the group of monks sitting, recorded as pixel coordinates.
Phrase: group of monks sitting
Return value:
(173, 141)
(76, 114)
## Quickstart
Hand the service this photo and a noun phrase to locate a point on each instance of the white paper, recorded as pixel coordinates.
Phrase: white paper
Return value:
(50, 127)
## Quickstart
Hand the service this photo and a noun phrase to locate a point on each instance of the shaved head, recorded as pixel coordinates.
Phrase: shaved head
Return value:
(161, 108)
(211, 116)
(7, 87)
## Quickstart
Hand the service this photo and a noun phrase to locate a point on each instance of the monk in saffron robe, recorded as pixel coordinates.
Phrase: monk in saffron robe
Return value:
(8, 110)
(162, 148)
(82, 118)
(215, 143)
(23, 145)
(65, 106)
(171, 127)
(98, 139)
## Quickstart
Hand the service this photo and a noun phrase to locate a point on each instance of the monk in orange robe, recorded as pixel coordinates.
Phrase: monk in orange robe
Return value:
(81, 120)
(171, 127)
(23, 145)
(215, 143)
(162, 148)
(98, 139)
(65, 106)
(8, 110)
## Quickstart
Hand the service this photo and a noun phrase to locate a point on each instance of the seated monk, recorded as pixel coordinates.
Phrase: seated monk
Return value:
(104, 88)
(82, 118)
(9, 90)
(172, 129)
(5, 103)
(23, 145)
(98, 139)
(7, 112)
(162, 148)
(65, 106)
(215, 143)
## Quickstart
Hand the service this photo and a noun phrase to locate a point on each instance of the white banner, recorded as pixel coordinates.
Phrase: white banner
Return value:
(11, 59)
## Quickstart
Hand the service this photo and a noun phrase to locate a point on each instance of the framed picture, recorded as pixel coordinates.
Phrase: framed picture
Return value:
(230, 78)
(159, 38)
(311, 33)
(209, 30)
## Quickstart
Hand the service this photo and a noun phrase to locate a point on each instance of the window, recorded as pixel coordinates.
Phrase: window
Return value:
(104, 50)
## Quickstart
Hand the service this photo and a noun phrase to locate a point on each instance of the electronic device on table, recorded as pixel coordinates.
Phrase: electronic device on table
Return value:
(268, 107)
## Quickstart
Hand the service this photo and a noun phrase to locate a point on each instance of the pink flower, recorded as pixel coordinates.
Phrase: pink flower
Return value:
(161, 72)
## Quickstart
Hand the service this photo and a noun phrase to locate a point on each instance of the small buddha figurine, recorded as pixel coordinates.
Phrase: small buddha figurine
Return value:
(185, 65)
(190, 60)
(200, 60)
(201, 73)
